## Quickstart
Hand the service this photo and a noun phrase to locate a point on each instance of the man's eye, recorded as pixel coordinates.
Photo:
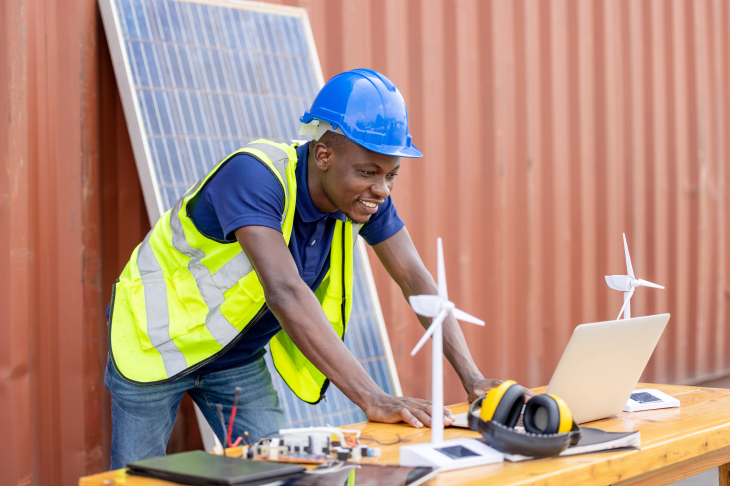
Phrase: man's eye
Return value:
(368, 172)
(392, 176)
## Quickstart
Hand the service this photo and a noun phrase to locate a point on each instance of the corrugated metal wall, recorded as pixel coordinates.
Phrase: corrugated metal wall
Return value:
(53, 417)
(549, 128)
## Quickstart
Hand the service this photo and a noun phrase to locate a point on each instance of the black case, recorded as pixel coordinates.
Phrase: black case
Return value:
(200, 468)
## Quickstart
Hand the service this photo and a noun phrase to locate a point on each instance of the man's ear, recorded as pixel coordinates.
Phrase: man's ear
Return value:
(323, 156)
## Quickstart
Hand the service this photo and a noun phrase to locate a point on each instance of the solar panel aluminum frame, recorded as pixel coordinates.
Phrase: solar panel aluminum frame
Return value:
(141, 146)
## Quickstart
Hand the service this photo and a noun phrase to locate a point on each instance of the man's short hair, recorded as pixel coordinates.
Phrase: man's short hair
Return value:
(333, 140)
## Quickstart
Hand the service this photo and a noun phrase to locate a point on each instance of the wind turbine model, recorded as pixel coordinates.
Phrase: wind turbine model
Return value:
(627, 284)
(452, 454)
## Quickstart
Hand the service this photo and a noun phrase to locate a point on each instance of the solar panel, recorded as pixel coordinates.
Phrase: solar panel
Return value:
(201, 79)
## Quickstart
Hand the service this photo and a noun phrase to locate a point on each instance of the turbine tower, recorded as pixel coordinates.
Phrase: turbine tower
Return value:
(627, 284)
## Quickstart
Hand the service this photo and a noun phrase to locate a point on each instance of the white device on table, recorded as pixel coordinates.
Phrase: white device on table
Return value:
(601, 366)
(603, 363)
(649, 399)
(450, 454)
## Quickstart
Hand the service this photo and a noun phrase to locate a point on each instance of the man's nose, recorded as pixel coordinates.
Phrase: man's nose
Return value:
(381, 189)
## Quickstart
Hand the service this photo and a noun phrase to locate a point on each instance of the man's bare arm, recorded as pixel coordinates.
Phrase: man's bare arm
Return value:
(301, 316)
(402, 261)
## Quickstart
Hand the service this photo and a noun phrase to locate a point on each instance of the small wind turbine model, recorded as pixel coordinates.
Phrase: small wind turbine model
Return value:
(627, 284)
(452, 454)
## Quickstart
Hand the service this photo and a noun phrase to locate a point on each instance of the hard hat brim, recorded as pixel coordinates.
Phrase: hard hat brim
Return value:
(409, 152)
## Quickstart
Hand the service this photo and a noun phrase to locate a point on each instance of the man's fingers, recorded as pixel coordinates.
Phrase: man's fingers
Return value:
(408, 417)
(448, 416)
(417, 413)
(426, 407)
(423, 417)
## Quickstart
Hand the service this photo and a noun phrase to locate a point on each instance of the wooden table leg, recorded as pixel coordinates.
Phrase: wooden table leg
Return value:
(724, 473)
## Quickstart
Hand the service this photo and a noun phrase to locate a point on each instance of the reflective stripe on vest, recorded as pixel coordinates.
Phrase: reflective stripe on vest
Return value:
(184, 298)
(158, 318)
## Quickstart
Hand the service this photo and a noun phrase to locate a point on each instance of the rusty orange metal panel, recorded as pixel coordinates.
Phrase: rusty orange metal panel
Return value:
(548, 128)
(16, 416)
(50, 398)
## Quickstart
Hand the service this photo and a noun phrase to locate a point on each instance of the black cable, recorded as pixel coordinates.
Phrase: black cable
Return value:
(237, 394)
(382, 443)
(219, 411)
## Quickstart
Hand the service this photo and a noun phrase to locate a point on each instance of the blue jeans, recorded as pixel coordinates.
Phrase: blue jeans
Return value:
(143, 416)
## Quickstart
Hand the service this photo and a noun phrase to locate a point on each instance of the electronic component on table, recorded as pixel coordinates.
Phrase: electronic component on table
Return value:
(314, 445)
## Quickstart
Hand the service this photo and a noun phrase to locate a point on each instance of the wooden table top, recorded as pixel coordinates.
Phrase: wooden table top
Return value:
(698, 431)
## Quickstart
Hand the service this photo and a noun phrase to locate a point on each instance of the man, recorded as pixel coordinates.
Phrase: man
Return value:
(260, 250)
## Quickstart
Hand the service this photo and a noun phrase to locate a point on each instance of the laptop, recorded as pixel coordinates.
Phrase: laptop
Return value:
(601, 366)
(203, 469)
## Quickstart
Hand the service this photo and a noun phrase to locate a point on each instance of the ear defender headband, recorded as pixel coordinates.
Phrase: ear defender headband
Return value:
(549, 425)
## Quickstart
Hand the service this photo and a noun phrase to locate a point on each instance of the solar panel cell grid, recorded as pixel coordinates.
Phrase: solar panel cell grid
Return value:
(209, 79)
(228, 75)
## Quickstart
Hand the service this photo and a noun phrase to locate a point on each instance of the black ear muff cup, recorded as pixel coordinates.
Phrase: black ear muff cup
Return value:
(542, 415)
(510, 406)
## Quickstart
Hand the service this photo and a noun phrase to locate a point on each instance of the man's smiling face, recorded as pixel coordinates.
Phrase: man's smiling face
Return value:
(353, 179)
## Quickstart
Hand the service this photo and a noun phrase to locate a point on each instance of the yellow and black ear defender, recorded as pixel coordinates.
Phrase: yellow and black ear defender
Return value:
(549, 425)
(547, 414)
(503, 404)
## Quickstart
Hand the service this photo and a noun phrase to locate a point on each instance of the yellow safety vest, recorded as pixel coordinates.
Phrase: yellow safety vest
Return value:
(184, 299)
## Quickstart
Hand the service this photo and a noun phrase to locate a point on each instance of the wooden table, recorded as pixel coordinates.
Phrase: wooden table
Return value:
(675, 443)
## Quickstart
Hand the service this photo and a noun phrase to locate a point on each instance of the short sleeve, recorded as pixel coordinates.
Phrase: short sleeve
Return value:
(383, 224)
(245, 192)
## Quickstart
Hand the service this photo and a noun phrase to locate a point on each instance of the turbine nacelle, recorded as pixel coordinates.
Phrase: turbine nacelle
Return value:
(429, 305)
(625, 283)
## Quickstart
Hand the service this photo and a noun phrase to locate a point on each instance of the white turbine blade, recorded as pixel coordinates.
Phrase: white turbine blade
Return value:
(463, 316)
(443, 292)
(434, 325)
(619, 282)
(629, 268)
(631, 292)
(644, 283)
(426, 305)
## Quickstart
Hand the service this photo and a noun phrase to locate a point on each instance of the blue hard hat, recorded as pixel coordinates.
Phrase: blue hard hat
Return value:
(369, 110)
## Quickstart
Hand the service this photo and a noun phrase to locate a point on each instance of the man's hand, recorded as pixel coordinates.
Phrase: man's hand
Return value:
(481, 388)
(414, 411)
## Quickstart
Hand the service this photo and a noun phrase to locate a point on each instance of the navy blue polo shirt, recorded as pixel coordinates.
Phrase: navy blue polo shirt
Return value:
(245, 193)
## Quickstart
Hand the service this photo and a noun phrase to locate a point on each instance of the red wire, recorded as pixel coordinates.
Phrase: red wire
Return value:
(230, 430)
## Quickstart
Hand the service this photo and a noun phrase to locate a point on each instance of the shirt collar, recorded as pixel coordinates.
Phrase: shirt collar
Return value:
(307, 210)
